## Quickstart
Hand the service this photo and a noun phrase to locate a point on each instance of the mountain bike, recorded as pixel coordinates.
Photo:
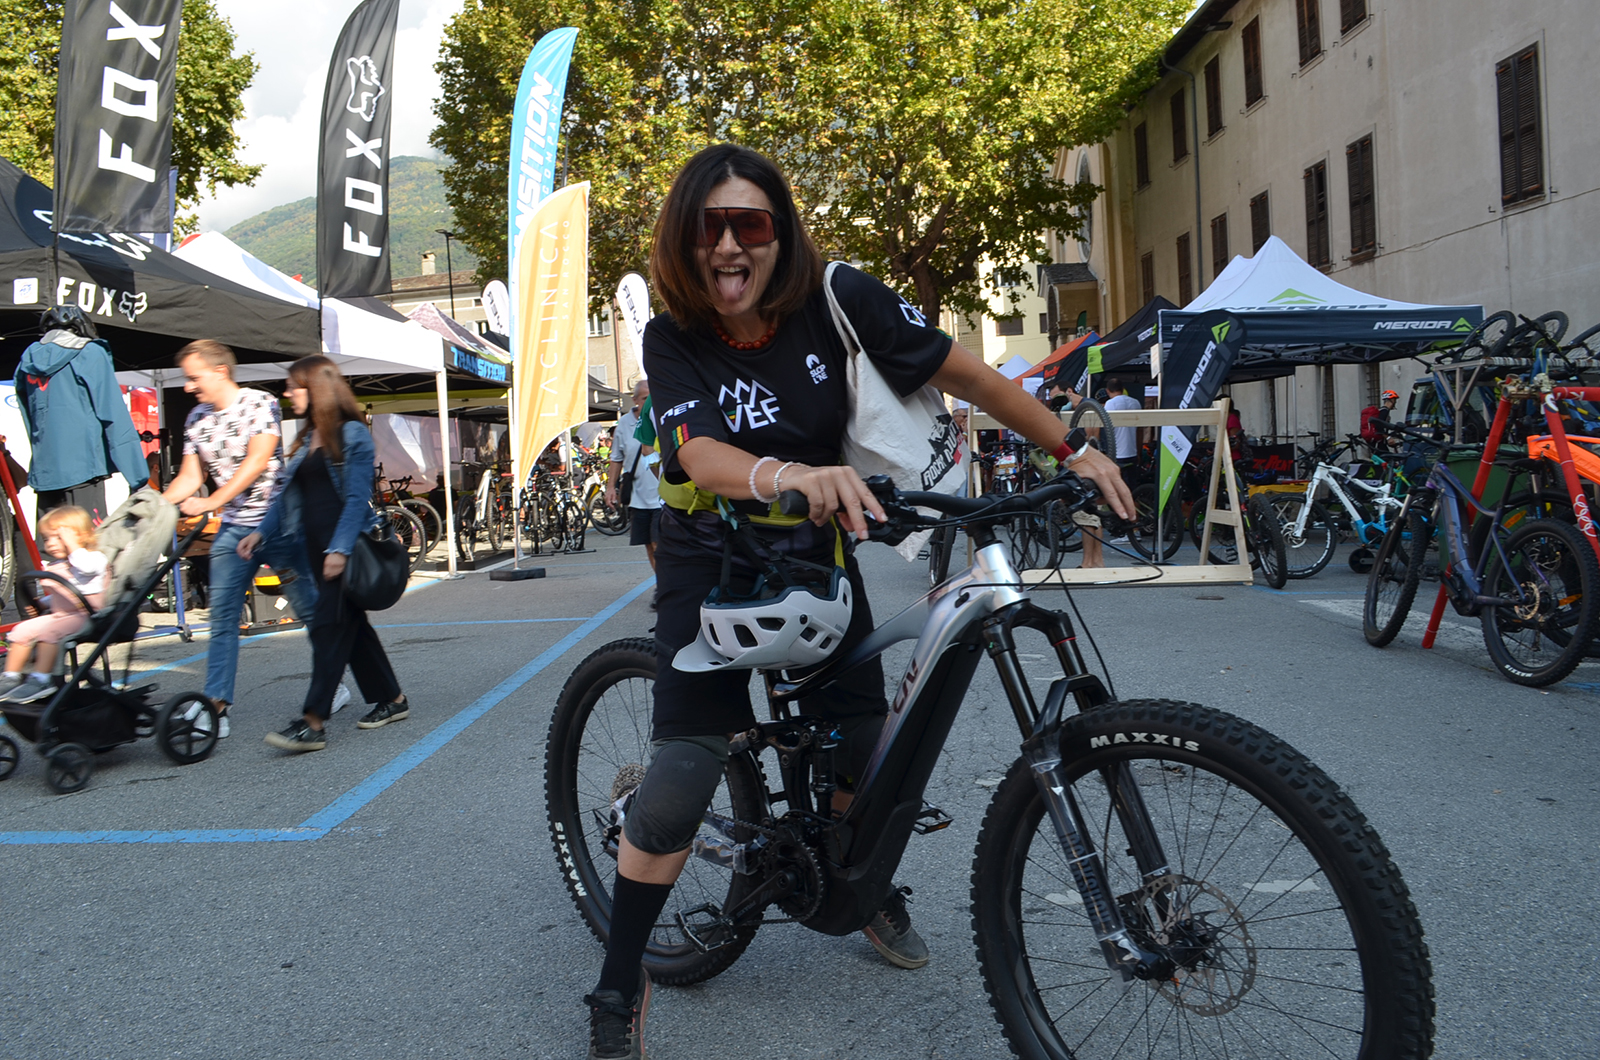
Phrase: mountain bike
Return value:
(1150, 876)
(1311, 534)
(1536, 589)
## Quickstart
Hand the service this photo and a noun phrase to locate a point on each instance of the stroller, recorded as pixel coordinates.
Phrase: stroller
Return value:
(91, 713)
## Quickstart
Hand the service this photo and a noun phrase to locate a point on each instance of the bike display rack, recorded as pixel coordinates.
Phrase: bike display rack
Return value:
(1202, 572)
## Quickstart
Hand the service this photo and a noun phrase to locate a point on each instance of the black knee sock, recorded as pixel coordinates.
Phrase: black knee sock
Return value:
(635, 907)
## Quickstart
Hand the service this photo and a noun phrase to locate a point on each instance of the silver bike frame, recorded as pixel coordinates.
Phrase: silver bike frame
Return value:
(1336, 479)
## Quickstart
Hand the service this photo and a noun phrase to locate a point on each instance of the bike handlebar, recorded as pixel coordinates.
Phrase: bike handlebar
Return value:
(901, 506)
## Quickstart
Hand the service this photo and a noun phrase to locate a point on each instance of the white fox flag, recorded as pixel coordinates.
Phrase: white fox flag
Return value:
(353, 164)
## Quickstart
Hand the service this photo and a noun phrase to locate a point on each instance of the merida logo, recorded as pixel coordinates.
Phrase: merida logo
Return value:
(1294, 297)
(1414, 325)
(1462, 325)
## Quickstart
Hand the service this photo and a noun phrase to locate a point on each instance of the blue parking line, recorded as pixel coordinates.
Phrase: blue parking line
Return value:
(341, 809)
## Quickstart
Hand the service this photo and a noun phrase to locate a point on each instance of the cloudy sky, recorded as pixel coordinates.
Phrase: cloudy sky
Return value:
(292, 45)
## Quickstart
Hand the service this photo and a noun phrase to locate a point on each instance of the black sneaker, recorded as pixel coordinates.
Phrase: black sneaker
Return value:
(892, 935)
(298, 736)
(616, 1025)
(383, 714)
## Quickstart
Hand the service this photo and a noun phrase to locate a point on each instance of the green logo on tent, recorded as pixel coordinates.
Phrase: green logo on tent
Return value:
(1220, 332)
(1462, 325)
(1294, 297)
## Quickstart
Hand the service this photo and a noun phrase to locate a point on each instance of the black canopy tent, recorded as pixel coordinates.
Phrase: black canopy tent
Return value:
(1294, 315)
(145, 302)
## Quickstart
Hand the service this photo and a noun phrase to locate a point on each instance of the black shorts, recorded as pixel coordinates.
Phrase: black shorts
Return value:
(646, 526)
(718, 703)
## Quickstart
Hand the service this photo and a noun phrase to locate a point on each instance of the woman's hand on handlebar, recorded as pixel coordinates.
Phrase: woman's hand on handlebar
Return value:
(832, 490)
(1105, 473)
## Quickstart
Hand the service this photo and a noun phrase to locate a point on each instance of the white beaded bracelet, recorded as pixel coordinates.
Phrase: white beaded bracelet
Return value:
(753, 469)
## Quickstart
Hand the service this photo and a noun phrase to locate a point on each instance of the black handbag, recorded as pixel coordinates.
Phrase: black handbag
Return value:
(375, 576)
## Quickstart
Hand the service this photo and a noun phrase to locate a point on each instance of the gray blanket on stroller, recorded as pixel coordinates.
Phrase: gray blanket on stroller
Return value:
(134, 539)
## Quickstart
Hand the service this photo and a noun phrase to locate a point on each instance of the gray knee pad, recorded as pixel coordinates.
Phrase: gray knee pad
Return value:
(672, 800)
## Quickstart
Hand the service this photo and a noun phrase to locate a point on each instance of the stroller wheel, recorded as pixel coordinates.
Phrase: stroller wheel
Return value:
(186, 728)
(67, 768)
(9, 756)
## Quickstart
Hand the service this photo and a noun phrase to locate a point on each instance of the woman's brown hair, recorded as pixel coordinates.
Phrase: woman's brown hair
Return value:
(674, 267)
(332, 402)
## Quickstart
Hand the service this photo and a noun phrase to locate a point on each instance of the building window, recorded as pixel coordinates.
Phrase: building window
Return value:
(1250, 36)
(1008, 277)
(1141, 155)
(599, 324)
(1309, 16)
(1044, 323)
(1351, 14)
(1185, 273)
(1363, 205)
(1180, 129)
(1521, 138)
(1317, 248)
(1219, 244)
(1008, 326)
(1214, 96)
(1147, 276)
(1260, 222)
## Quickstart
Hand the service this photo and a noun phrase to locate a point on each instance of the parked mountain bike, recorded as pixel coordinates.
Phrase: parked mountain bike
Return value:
(396, 491)
(1536, 589)
(1263, 534)
(1150, 876)
(1311, 534)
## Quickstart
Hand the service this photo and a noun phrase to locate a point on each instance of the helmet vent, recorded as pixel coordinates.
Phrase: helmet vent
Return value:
(827, 642)
(770, 622)
(808, 634)
(714, 638)
(746, 638)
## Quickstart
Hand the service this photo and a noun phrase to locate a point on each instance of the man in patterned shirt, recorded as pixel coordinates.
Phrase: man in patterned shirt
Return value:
(234, 437)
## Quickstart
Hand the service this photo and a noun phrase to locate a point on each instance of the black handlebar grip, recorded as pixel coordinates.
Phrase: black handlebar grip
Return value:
(793, 502)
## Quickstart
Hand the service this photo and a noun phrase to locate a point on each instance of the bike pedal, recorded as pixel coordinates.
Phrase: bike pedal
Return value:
(931, 819)
(708, 935)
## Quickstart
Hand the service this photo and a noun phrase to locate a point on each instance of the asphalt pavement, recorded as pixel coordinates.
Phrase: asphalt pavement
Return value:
(395, 895)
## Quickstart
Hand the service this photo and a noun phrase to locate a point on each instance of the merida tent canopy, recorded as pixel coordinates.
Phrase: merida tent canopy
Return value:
(1047, 367)
(1132, 338)
(1294, 315)
(363, 339)
(146, 302)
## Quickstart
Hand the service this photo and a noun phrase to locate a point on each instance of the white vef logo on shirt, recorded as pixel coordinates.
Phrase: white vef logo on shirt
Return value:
(752, 406)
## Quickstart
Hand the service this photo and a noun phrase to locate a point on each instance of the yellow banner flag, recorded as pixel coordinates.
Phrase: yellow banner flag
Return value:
(550, 347)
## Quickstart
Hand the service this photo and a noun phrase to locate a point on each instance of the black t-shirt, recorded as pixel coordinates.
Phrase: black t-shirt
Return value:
(787, 400)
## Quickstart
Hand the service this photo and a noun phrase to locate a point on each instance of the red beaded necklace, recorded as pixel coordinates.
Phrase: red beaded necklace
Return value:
(756, 345)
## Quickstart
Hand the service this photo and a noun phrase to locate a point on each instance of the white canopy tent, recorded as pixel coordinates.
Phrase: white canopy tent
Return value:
(360, 340)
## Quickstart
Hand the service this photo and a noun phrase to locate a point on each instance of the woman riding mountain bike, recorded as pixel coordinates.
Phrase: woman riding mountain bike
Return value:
(748, 374)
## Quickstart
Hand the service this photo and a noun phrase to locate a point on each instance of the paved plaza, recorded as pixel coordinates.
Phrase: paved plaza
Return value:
(396, 895)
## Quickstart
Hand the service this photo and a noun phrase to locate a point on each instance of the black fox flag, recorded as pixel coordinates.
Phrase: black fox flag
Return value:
(353, 169)
(1191, 374)
(114, 96)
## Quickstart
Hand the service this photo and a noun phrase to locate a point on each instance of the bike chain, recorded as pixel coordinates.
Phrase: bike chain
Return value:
(816, 871)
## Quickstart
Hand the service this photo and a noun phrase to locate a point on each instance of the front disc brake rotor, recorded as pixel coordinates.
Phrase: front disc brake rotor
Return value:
(1205, 935)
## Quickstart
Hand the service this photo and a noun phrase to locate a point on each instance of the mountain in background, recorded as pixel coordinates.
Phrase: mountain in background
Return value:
(285, 237)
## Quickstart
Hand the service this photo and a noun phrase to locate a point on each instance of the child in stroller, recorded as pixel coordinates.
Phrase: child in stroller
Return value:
(91, 712)
(70, 537)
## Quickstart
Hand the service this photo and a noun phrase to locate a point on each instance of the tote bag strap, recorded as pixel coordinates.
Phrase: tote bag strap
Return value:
(847, 331)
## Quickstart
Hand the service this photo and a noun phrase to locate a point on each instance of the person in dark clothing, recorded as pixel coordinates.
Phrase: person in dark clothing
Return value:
(328, 493)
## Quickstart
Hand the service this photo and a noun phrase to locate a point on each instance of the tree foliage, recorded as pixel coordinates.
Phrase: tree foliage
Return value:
(918, 134)
(211, 81)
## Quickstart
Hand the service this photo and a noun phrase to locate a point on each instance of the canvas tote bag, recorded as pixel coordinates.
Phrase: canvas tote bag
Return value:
(912, 439)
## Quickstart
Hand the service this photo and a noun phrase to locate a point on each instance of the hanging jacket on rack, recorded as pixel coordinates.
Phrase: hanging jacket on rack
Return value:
(78, 425)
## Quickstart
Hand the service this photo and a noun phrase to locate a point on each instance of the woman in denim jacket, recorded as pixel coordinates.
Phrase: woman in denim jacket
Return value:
(326, 500)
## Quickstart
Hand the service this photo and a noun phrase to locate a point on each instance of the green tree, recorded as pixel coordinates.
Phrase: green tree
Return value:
(211, 81)
(918, 134)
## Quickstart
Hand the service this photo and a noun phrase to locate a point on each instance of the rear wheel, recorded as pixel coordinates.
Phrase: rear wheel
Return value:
(1550, 569)
(1290, 930)
(408, 529)
(428, 515)
(1142, 533)
(1266, 542)
(596, 752)
(1392, 581)
(1094, 419)
(609, 519)
(67, 768)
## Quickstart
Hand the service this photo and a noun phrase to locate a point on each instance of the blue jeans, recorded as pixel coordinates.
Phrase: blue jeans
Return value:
(230, 575)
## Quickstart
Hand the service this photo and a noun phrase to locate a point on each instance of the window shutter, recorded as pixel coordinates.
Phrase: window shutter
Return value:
(1260, 222)
(1219, 244)
(1351, 12)
(1141, 154)
(1309, 17)
(1250, 36)
(1521, 140)
(1506, 93)
(1317, 250)
(1214, 96)
(1180, 135)
(1185, 272)
(1363, 206)
(1147, 275)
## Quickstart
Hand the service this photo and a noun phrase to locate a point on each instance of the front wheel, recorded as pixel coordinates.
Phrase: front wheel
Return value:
(940, 547)
(1392, 579)
(1309, 536)
(1290, 929)
(1142, 533)
(1550, 572)
(1267, 549)
(596, 752)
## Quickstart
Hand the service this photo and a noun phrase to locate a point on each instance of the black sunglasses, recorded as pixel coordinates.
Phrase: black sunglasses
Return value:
(751, 227)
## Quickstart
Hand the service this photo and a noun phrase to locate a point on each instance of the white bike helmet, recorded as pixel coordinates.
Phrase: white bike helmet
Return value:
(796, 626)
